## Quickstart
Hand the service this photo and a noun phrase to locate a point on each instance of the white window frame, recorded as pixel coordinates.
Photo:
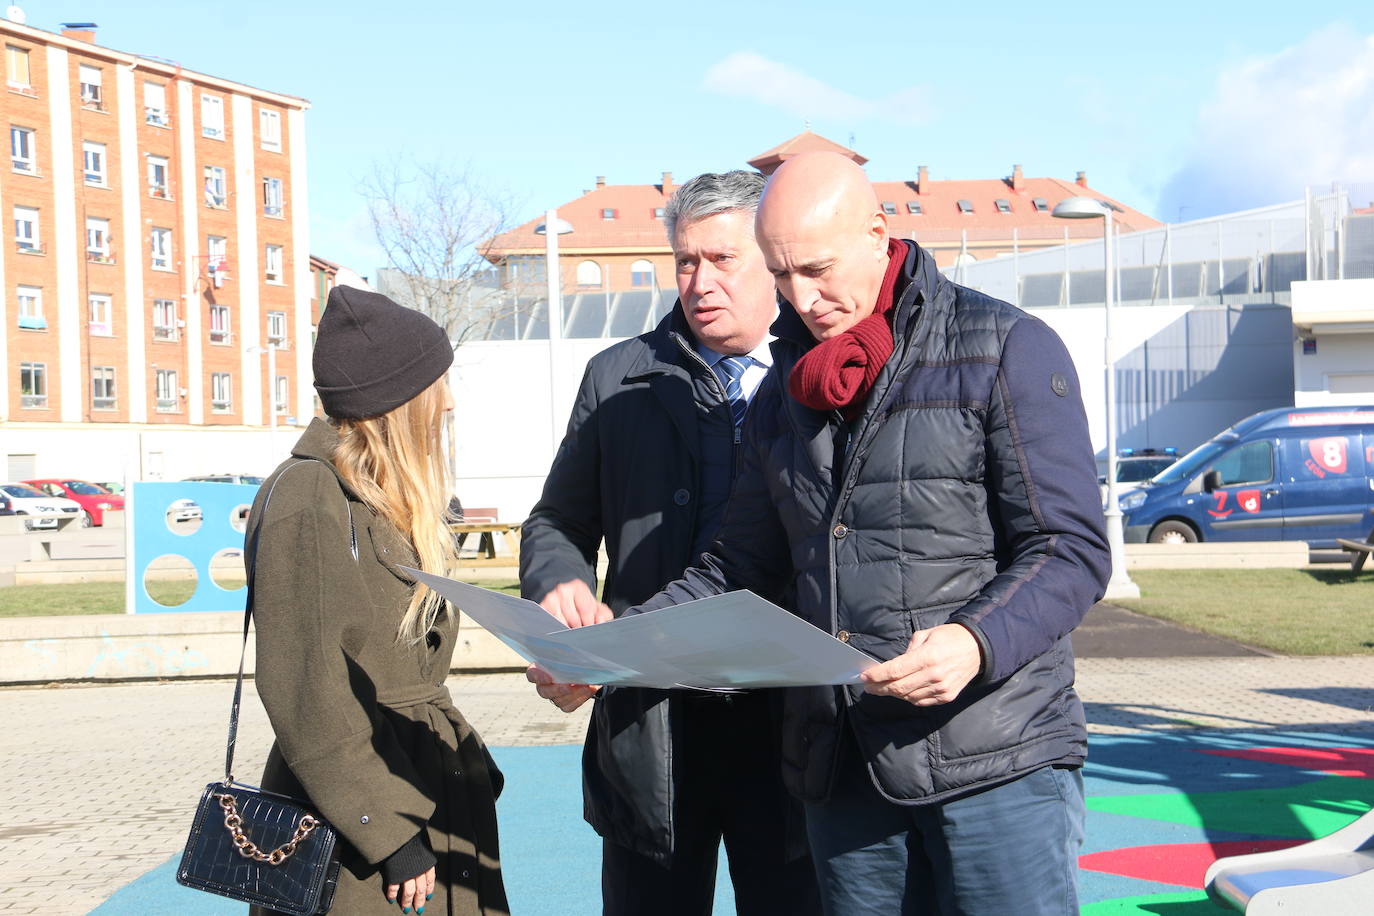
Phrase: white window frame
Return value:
(38, 384)
(216, 187)
(273, 197)
(280, 396)
(93, 162)
(159, 167)
(272, 259)
(155, 104)
(29, 304)
(165, 319)
(101, 307)
(103, 377)
(269, 129)
(638, 270)
(166, 391)
(216, 253)
(220, 329)
(589, 274)
(22, 160)
(160, 248)
(92, 86)
(211, 116)
(276, 329)
(14, 53)
(26, 233)
(221, 392)
(98, 239)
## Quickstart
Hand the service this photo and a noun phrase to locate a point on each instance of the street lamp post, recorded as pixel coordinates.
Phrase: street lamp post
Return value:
(551, 228)
(1120, 584)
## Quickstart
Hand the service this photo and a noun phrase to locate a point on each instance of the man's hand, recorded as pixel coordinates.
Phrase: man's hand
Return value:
(574, 604)
(935, 668)
(566, 697)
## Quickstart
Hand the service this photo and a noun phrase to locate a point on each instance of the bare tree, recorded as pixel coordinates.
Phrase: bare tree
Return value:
(436, 223)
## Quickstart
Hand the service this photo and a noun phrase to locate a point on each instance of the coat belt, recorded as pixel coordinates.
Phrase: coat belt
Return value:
(419, 695)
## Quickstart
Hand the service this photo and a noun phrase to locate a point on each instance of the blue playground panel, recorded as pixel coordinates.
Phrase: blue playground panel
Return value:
(219, 504)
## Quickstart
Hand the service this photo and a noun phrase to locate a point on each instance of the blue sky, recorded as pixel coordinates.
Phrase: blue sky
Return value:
(1174, 108)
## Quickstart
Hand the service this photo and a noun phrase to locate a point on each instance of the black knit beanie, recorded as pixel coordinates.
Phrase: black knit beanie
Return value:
(372, 355)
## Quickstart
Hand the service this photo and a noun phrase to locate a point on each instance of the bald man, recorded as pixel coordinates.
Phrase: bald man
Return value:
(917, 477)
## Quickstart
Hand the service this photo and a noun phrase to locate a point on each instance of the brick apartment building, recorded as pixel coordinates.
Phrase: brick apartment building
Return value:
(618, 243)
(154, 261)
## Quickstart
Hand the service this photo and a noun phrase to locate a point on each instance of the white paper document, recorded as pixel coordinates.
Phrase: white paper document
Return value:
(734, 640)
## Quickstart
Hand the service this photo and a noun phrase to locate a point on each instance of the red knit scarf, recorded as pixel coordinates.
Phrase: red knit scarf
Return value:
(839, 372)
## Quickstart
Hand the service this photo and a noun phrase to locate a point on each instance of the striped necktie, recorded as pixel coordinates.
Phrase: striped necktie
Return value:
(730, 369)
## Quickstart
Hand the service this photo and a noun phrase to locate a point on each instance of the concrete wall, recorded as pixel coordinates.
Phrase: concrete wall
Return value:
(1333, 357)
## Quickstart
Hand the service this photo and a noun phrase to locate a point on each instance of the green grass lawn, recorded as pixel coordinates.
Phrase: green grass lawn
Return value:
(1292, 611)
(108, 597)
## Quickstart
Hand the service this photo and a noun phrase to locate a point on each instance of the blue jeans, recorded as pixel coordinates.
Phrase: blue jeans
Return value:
(1009, 849)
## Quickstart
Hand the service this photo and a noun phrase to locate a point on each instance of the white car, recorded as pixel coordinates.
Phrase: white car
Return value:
(45, 509)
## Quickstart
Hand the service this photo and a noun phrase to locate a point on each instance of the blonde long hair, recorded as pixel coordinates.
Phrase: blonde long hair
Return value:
(396, 464)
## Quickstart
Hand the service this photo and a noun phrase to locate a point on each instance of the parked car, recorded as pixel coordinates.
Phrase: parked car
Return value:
(230, 478)
(6, 507)
(113, 486)
(184, 510)
(94, 499)
(1136, 464)
(1290, 474)
(45, 509)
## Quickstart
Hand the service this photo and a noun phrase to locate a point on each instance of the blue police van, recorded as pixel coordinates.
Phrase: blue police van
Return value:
(1291, 474)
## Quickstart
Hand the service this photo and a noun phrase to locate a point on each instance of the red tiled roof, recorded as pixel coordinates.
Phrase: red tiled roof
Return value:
(940, 206)
(633, 227)
(804, 142)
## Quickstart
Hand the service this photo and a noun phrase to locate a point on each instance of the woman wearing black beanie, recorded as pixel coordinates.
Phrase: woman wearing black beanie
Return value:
(351, 653)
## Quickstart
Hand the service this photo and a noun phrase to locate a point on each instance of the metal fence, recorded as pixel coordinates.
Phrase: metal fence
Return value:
(1248, 256)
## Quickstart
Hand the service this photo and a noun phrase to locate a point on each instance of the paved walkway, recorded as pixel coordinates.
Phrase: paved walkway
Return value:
(96, 782)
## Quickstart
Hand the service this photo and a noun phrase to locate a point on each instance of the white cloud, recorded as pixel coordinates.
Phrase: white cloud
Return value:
(747, 75)
(1273, 126)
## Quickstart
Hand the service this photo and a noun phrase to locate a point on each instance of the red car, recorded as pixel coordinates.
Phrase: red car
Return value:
(95, 500)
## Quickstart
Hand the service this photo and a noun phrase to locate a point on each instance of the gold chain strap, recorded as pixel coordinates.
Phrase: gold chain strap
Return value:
(247, 848)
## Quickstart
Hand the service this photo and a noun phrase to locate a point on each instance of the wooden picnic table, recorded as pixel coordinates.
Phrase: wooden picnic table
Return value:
(486, 542)
(1359, 551)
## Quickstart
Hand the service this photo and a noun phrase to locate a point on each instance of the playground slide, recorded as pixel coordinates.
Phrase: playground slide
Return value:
(1332, 875)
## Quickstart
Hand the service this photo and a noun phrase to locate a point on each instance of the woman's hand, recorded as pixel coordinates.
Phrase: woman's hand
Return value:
(413, 893)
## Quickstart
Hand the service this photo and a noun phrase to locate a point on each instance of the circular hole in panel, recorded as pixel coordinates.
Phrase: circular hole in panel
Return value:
(238, 516)
(170, 580)
(184, 517)
(226, 569)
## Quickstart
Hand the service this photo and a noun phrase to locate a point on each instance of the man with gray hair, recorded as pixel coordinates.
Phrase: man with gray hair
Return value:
(647, 464)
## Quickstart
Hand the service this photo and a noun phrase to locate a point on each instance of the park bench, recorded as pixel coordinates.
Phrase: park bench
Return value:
(1359, 551)
(483, 523)
(1333, 874)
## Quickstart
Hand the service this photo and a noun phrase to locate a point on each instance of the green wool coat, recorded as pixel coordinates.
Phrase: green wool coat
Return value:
(365, 728)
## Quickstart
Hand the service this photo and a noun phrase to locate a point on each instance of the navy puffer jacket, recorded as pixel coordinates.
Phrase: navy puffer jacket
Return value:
(965, 493)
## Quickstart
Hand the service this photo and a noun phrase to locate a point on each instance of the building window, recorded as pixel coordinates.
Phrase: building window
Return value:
(890, 208)
(913, 207)
(272, 197)
(658, 212)
(31, 308)
(216, 194)
(272, 259)
(17, 67)
(965, 206)
(166, 390)
(157, 177)
(279, 391)
(101, 309)
(98, 240)
(164, 319)
(589, 274)
(276, 329)
(1003, 205)
(160, 242)
(269, 129)
(91, 80)
(212, 117)
(26, 230)
(216, 257)
(33, 384)
(642, 273)
(221, 392)
(21, 149)
(1040, 204)
(155, 104)
(93, 155)
(219, 324)
(103, 387)
(609, 213)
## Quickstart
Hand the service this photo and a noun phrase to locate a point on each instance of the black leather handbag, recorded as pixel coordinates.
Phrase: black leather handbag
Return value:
(256, 846)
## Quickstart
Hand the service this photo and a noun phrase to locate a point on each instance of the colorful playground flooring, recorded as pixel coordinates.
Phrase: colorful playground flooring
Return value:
(1162, 805)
